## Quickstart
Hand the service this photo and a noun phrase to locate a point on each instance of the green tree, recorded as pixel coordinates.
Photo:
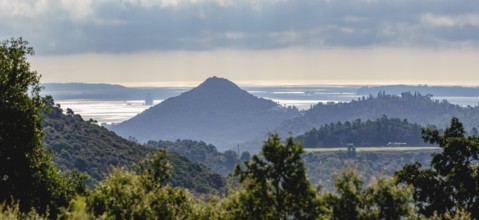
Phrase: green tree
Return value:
(349, 204)
(26, 171)
(452, 182)
(383, 199)
(128, 195)
(245, 155)
(276, 186)
(474, 132)
(231, 158)
(386, 200)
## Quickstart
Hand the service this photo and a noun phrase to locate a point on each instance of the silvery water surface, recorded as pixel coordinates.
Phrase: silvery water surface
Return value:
(117, 109)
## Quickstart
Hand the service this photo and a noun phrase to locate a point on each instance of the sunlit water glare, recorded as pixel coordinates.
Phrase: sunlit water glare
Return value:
(106, 111)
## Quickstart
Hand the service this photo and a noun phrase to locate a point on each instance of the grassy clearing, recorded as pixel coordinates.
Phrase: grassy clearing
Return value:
(372, 149)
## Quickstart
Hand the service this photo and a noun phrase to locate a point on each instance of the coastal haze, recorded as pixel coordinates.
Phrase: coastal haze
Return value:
(109, 105)
(219, 112)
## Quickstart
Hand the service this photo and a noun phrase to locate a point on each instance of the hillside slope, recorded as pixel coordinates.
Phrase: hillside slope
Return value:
(95, 150)
(217, 112)
(198, 151)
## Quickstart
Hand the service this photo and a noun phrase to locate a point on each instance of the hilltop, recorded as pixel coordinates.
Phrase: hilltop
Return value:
(217, 112)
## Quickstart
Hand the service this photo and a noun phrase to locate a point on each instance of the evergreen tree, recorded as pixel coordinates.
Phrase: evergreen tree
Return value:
(276, 186)
(128, 195)
(452, 183)
(245, 155)
(474, 132)
(26, 171)
(383, 199)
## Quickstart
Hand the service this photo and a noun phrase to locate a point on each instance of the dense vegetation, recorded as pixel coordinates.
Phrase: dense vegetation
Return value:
(201, 152)
(414, 107)
(26, 172)
(85, 146)
(375, 133)
(324, 168)
(451, 183)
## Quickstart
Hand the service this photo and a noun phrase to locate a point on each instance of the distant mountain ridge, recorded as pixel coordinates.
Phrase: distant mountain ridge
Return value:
(217, 112)
(102, 91)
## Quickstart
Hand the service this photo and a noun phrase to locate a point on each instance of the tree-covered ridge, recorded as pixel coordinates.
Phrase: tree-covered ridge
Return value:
(90, 148)
(414, 107)
(380, 132)
(194, 176)
(450, 91)
(202, 152)
(86, 146)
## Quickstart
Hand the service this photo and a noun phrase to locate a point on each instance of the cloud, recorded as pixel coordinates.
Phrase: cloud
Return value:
(78, 8)
(10, 8)
(112, 26)
(176, 3)
(451, 21)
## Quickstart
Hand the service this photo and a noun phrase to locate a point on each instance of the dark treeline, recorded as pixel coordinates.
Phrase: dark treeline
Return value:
(453, 91)
(368, 133)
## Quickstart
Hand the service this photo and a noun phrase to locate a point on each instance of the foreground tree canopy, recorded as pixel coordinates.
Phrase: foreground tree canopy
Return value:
(275, 183)
(452, 182)
(26, 171)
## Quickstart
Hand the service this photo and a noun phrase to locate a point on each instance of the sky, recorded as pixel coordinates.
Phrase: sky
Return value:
(153, 42)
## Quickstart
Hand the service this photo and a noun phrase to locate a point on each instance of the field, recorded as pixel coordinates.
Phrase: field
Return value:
(373, 149)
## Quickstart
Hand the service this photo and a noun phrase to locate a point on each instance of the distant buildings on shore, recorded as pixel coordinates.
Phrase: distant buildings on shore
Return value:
(396, 144)
(149, 99)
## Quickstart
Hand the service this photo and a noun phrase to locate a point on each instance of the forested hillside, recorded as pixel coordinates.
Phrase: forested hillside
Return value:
(416, 108)
(368, 133)
(199, 151)
(85, 146)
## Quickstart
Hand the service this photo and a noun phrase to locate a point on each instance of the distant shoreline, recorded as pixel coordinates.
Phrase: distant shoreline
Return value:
(372, 149)
(247, 83)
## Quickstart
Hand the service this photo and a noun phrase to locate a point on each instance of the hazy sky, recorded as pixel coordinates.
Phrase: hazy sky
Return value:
(291, 41)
